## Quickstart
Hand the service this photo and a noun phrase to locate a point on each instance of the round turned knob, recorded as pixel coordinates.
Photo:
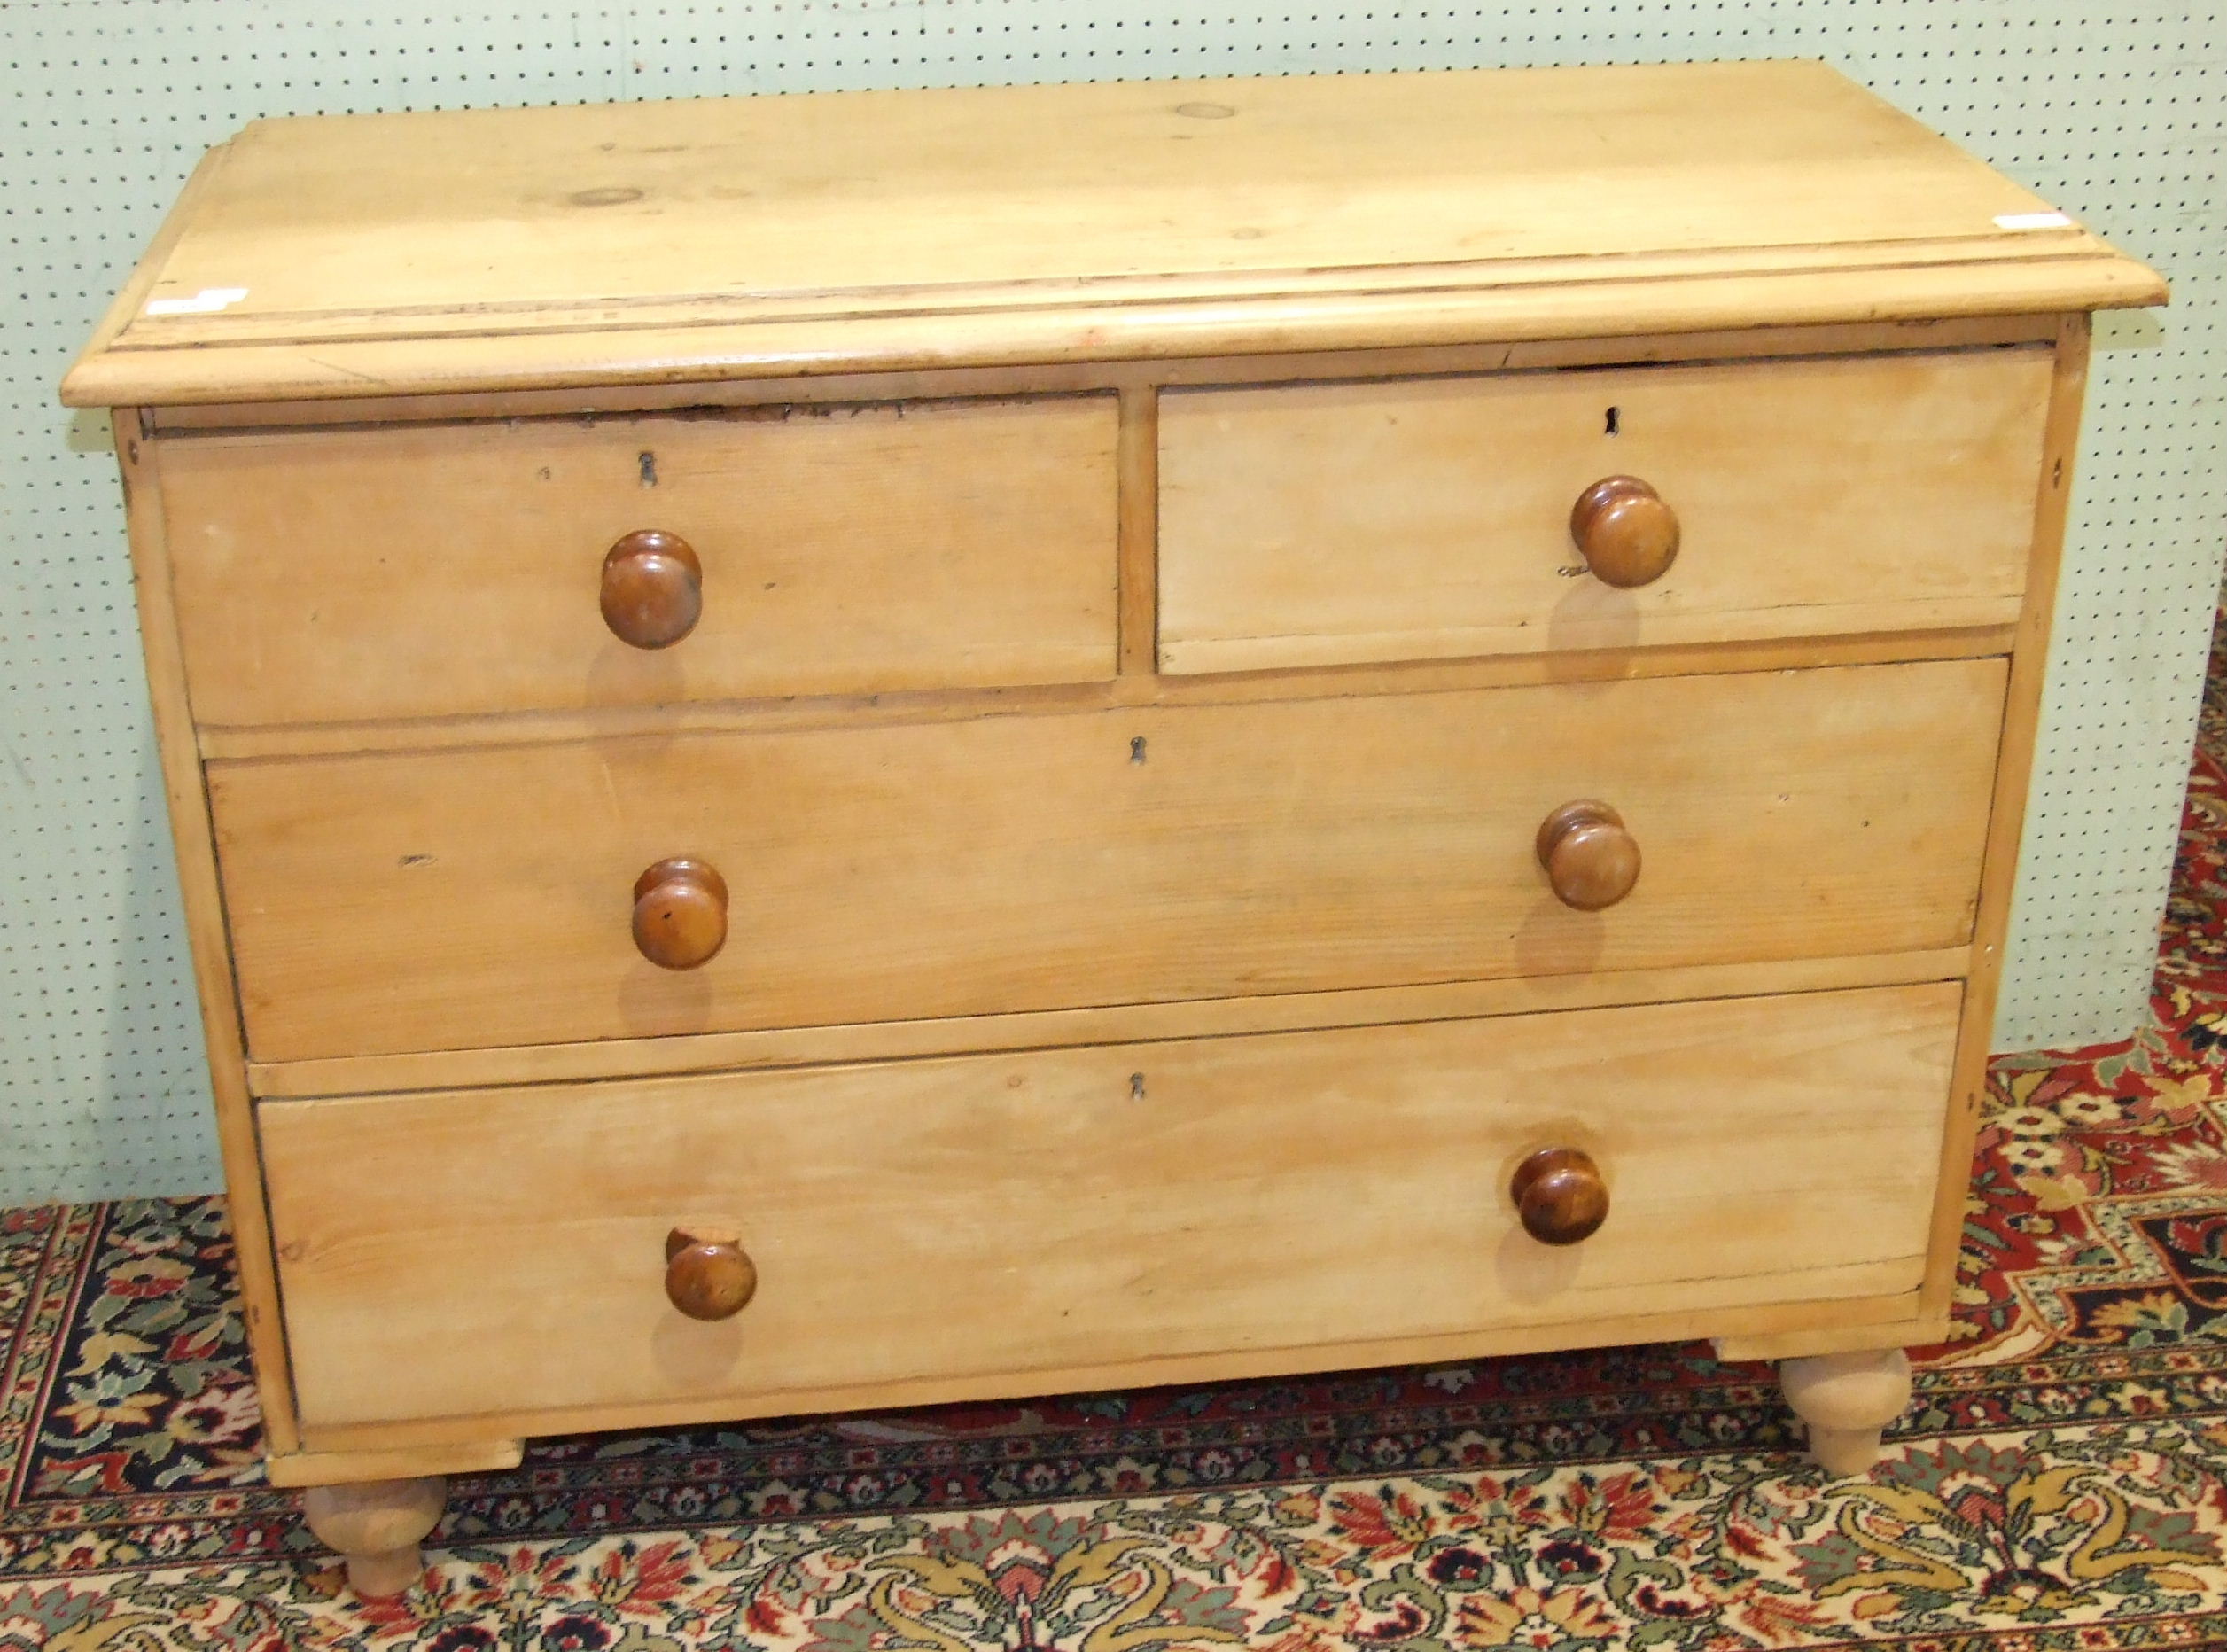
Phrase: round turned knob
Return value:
(653, 589)
(1591, 860)
(1559, 1193)
(679, 914)
(707, 1274)
(1627, 535)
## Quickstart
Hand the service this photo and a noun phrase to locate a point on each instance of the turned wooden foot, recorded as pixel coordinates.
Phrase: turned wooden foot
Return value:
(1846, 1399)
(376, 1527)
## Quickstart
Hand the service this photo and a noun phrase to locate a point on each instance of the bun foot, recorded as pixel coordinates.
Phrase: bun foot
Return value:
(376, 1527)
(1848, 1400)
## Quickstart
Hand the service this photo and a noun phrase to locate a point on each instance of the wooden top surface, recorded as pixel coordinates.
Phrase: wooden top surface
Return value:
(645, 243)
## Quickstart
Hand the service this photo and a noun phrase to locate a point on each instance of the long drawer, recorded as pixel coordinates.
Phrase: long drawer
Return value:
(437, 570)
(993, 1216)
(470, 899)
(1421, 518)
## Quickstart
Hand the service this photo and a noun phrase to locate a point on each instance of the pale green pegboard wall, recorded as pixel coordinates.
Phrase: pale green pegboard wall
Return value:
(2117, 116)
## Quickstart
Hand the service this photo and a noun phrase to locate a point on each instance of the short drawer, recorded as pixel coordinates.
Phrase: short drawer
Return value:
(1428, 519)
(435, 570)
(999, 1219)
(470, 899)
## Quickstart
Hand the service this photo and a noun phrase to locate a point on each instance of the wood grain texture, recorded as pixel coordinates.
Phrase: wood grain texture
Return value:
(207, 935)
(1280, 1012)
(708, 1275)
(402, 1462)
(125, 307)
(1838, 1335)
(1259, 958)
(376, 1526)
(2013, 777)
(1323, 525)
(1603, 1331)
(1122, 1199)
(1139, 459)
(1589, 857)
(1147, 855)
(1412, 676)
(652, 587)
(1624, 530)
(679, 914)
(889, 229)
(1055, 377)
(439, 571)
(1509, 302)
(1846, 1399)
(1560, 1195)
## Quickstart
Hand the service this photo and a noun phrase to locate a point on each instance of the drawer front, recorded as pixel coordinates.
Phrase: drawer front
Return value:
(1429, 518)
(484, 898)
(433, 570)
(972, 1218)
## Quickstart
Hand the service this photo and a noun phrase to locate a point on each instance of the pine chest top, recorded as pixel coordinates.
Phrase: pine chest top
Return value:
(515, 249)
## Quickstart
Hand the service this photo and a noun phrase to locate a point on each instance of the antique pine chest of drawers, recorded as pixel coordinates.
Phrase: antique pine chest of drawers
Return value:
(874, 748)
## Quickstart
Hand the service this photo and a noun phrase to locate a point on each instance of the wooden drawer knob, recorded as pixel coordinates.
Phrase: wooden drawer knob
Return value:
(1590, 859)
(1559, 1193)
(653, 589)
(1627, 535)
(707, 1274)
(679, 914)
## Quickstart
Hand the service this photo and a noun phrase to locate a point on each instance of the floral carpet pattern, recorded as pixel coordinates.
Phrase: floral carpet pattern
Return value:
(2059, 1482)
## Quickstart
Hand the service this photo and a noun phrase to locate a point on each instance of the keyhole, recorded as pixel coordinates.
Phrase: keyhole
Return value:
(1136, 1086)
(1609, 429)
(1136, 749)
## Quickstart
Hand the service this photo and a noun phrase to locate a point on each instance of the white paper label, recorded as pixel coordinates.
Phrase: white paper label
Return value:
(2031, 221)
(200, 304)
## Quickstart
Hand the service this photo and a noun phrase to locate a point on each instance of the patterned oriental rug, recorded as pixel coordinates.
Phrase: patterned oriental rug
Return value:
(2061, 1482)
